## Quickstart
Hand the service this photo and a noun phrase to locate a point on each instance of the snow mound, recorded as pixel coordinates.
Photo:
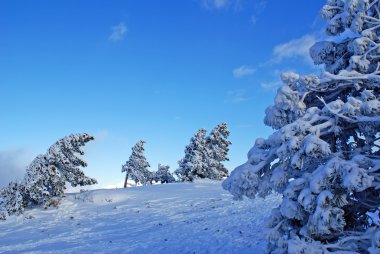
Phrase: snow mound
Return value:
(195, 217)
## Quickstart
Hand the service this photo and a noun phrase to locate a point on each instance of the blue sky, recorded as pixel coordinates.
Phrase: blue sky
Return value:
(152, 70)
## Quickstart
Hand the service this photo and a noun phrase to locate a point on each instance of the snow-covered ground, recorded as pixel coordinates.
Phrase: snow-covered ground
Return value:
(171, 218)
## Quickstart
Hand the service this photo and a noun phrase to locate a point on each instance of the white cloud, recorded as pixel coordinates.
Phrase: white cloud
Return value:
(243, 70)
(258, 9)
(271, 85)
(297, 48)
(256, 6)
(220, 3)
(13, 164)
(118, 32)
(215, 4)
(237, 96)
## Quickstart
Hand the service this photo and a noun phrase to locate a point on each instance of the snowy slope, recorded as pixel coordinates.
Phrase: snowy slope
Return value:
(172, 218)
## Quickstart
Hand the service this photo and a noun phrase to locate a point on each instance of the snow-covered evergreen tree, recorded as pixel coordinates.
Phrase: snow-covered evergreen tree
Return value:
(324, 156)
(194, 164)
(63, 157)
(136, 167)
(163, 175)
(42, 182)
(46, 177)
(12, 200)
(217, 143)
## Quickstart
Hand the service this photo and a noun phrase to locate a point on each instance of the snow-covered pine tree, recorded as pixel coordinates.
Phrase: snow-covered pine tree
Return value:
(63, 157)
(217, 143)
(47, 175)
(324, 156)
(45, 179)
(163, 175)
(12, 200)
(194, 163)
(136, 167)
(42, 182)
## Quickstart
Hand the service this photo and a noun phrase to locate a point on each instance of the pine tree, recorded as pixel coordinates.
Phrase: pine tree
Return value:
(136, 167)
(217, 143)
(62, 156)
(324, 156)
(194, 163)
(12, 200)
(46, 177)
(42, 182)
(163, 175)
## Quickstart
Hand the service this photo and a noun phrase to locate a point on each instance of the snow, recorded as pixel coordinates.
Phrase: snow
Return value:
(118, 185)
(195, 217)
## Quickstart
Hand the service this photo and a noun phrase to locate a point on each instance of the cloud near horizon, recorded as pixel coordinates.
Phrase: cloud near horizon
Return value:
(118, 32)
(13, 165)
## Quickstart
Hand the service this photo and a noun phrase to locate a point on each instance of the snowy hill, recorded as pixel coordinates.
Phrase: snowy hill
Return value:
(172, 218)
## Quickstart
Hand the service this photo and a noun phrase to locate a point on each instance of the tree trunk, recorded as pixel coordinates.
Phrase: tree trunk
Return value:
(126, 180)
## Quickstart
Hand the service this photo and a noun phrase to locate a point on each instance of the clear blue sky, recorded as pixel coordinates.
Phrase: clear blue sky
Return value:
(147, 69)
